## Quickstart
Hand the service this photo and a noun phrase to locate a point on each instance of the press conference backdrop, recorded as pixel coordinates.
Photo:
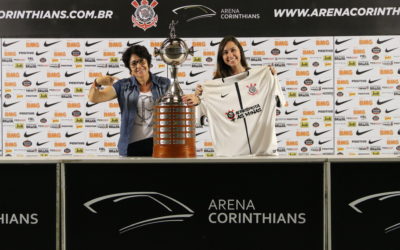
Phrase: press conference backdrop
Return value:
(338, 64)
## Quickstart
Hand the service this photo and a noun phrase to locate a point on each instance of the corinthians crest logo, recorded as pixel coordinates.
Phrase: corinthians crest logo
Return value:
(144, 16)
(231, 115)
(252, 89)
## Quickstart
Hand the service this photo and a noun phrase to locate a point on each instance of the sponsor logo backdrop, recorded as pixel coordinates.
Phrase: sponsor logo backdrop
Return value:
(342, 93)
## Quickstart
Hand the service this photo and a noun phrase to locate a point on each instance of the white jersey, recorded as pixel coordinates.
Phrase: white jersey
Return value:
(241, 112)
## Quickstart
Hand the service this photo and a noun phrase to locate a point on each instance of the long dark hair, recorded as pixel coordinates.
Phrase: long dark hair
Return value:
(138, 50)
(224, 70)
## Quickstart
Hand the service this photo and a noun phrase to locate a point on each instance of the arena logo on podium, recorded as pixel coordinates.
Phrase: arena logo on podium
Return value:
(168, 209)
(144, 16)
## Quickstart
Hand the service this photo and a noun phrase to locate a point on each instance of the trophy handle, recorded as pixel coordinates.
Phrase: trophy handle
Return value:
(157, 51)
(191, 51)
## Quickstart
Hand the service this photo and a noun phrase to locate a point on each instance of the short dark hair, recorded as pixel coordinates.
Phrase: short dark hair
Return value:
(138, 50)
(224, 70)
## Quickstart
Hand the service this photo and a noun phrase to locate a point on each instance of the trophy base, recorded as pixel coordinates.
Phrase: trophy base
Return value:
(174, 131)
(175, 151)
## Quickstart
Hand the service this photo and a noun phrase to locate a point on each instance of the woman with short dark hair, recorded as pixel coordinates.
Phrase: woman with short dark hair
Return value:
(136, 96)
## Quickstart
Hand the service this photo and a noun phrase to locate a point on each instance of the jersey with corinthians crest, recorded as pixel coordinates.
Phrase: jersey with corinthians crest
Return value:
(241, 112)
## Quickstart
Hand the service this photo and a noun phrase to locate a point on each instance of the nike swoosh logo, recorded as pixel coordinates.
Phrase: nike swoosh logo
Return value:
(290, 112)
(158, 72)
(339, 51)
(289, 52)
(372, 81)
(39, 114)
(40, 144)
(88, 83)
(91, 143)
(282, 72)
(89, 53)
(316, 73)
(297, 43)
(87, 44)
(390, 111)
(49, 44)
(88, 105)
(214, 44)
(113, 74)
(372, 142)
(390, 50)
(200, 133)
(26, 135)
(73, 134)
(341, 111)
(223, 96)
(361, 133)
(131, 44)
(30, 74)
(41, 53)
(337, 42)
(111, 135)
(71, 74)
(383, 41)
(383, 102)
(189, 83)
(322, 82)
(40, 83)
(257, 43)
(281, 133)
(299, 103)
(321, 133)
(91, 113)
(9, 104)
(340, 103)
(9, 44)
(362, 72)
(46, 105)
(323, 142)
(195, 74)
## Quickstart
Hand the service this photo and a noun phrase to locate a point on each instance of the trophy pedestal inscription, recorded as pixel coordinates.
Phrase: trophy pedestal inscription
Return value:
(174, 126)
(174, 131)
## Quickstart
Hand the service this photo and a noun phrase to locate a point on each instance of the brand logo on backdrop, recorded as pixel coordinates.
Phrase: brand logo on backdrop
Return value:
(236, 211)
(380, 197)
(383, 41)
(194, 12)
(172, 210)
(195, 74)
(337, 42)
(46, 44)
(5, 44)
(289, 52)
(144, 16)
(254, 43)
(295, 43)
(129, 44)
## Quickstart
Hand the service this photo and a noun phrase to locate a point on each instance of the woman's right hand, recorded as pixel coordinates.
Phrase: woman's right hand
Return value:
(199, 90)
(106, 80)
(191, 99)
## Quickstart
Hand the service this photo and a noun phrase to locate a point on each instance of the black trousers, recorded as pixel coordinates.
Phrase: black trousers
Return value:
(141, 148)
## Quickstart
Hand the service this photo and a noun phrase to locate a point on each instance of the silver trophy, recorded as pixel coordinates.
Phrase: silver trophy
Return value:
(173, 52)
(174, 121)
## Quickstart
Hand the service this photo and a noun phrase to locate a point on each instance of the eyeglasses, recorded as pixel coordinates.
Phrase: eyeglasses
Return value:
(141, 61)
